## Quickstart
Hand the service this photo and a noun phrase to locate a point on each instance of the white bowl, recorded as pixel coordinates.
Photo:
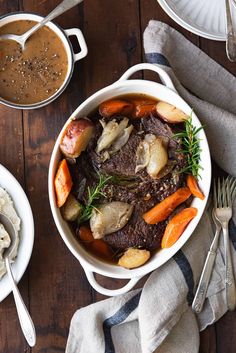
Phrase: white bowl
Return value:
(23, 209)
(71, 56)
(165, 92)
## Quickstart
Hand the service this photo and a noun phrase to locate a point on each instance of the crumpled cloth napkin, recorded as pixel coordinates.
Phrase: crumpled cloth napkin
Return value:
(158, 318)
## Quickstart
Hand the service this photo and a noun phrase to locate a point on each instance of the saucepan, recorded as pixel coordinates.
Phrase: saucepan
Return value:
(72, 58)
(164, 92)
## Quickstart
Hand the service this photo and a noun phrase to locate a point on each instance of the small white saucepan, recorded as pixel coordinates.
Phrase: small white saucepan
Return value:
(164, 92)
(71, 56)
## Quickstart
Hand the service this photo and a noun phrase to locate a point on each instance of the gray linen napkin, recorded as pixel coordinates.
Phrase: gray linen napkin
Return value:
(159, 318)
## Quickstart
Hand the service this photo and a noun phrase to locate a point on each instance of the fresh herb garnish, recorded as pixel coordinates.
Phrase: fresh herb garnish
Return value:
(191, 147)
(94, 193)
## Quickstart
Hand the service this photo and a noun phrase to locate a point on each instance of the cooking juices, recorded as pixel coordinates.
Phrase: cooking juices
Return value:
(36, 73)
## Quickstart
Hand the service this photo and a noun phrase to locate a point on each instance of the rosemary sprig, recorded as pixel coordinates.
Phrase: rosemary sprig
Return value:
(191, 147)
(94, 193)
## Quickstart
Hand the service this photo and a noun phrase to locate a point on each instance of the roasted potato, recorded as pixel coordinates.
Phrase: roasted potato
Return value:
(133, 258)
(170, 113)
(109, 218)
(158, 157)
(76, 137)
(71, 209)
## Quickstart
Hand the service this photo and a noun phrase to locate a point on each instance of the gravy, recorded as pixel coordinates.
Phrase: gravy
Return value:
(36, 73)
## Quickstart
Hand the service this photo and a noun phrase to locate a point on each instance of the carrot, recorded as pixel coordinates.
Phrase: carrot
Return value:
(62, 183)
(176, 226)
(97, 246)
(194, 188)
(100, 248)
(143, 107)
(85, 234)
(163, 209)
(115, 106)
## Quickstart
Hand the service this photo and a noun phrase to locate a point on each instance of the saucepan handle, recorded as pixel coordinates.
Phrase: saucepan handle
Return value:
(165, 78)
(110, 292)
(83, 46)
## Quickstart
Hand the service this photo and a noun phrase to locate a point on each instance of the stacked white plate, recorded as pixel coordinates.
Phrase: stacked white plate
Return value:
(205, 18)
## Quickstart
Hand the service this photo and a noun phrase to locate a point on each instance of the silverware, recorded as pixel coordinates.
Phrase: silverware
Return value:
(231, 36)
(223, 213)
(201, 292)
(23, 314)
(61, 8)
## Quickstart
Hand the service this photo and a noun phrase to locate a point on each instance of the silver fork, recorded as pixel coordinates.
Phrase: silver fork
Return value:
(201, 292)
(223, 212)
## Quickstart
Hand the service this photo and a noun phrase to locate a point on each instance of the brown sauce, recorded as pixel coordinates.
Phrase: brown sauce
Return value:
(36, 73)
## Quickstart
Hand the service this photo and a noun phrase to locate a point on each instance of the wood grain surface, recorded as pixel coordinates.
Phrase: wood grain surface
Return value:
(54, 285)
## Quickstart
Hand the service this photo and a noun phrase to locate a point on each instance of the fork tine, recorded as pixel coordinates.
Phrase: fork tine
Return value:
(224, 194)
(231, 180)
(219, 201)
(228, 191)
(214, 194)
(232, 185)
(233, 190)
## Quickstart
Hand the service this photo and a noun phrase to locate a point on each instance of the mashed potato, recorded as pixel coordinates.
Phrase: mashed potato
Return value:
(7, 207)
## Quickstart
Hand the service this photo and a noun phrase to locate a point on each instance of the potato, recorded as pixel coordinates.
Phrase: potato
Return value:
(109, 218)
(71, 209)
(158, 157)
(170, 114)
(133, 258)
(76, 137)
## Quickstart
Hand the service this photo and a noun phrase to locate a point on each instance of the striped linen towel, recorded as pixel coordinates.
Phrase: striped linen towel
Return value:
(158, 318)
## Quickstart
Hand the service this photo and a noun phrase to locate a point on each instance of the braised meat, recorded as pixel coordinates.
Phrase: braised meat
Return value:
(138, 189)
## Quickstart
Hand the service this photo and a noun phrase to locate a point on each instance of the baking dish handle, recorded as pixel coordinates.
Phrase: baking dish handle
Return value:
(83, 46)
(110, 292)
(165, 78)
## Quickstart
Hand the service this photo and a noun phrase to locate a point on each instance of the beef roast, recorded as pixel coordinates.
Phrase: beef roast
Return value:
(124, 161)
(137, 233)
(142, 191)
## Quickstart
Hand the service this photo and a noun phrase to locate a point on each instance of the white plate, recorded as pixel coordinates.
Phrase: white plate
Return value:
(22, 206)
(205, 18)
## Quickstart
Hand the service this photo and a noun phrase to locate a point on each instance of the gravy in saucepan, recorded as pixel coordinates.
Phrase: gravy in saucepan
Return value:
(36, 73)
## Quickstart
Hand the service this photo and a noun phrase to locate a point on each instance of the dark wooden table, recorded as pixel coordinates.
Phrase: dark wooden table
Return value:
(54, 285)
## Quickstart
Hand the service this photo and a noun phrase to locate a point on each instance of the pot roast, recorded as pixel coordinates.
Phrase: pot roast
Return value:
(137, 189)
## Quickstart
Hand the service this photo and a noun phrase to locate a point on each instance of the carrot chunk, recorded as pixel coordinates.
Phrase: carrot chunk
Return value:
(143, 107)
(62, 183)
(176, 226)
(163, 209)
(85, 234)
(100, 248)
(97, 246)
(194, 188)
(115, 106)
